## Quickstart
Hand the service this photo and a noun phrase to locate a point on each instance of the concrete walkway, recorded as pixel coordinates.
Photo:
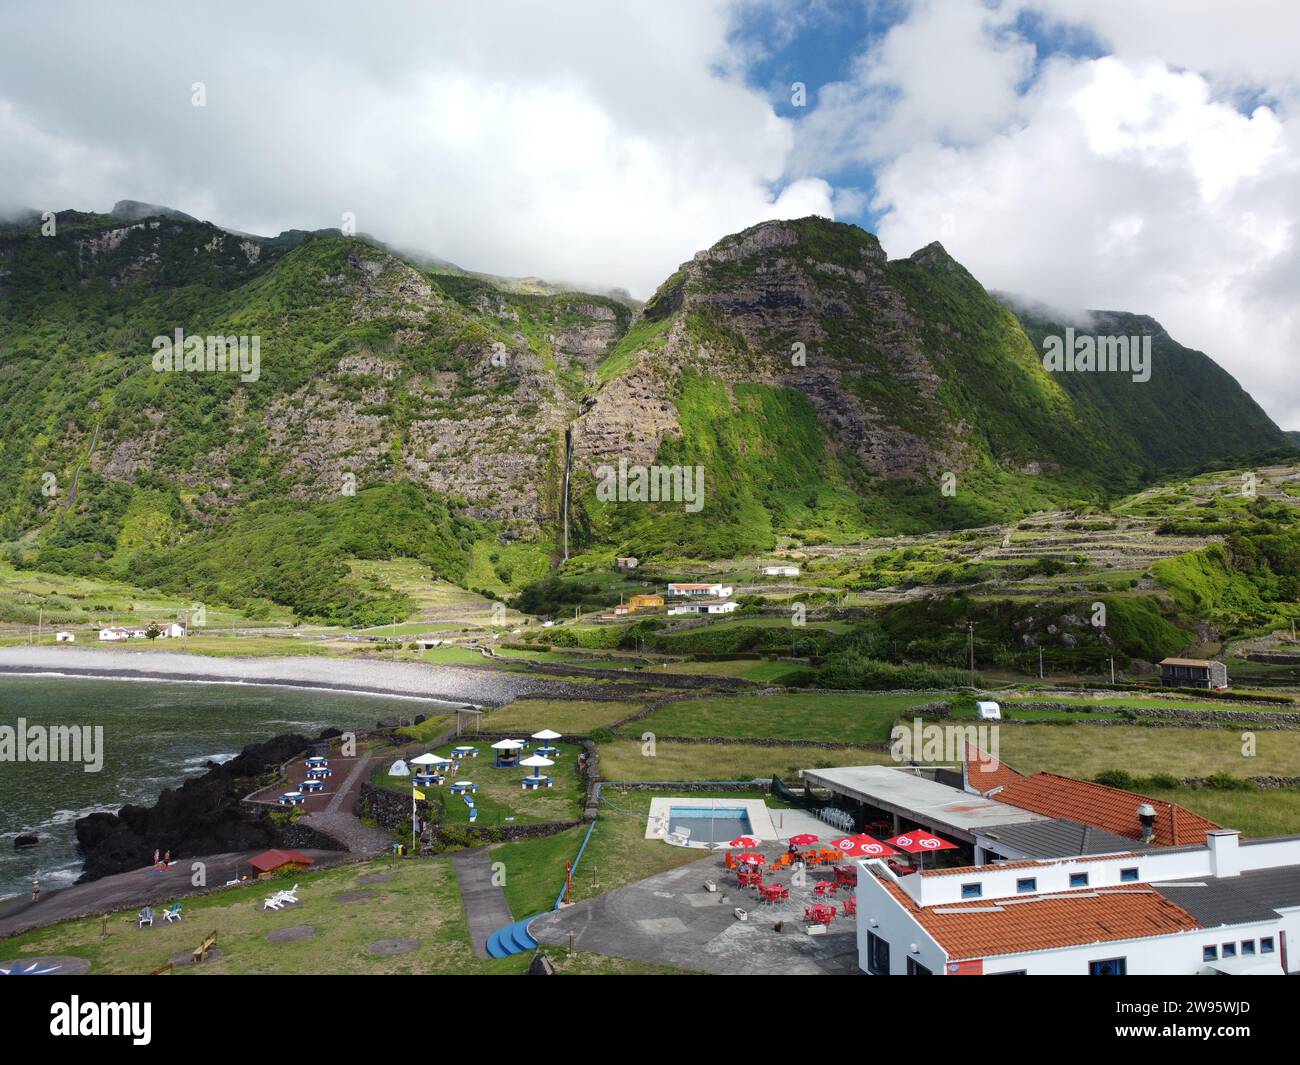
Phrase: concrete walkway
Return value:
(486, 908)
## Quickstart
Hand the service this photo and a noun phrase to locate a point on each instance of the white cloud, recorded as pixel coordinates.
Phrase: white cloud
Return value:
(590, 143)
(1125, 182)
(948, 72)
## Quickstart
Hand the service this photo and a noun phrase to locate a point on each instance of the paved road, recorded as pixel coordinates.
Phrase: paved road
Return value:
(139, 887)
(486, 908)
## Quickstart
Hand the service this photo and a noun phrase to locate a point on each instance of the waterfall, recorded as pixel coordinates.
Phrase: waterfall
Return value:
(568, 462)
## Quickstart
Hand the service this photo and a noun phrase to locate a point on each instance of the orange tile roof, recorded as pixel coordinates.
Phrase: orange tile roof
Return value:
(1113, 809)
(984, 772)
(1043, 922)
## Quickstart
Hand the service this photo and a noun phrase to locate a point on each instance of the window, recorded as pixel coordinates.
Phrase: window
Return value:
(1027, 885)
(1078, 880)
(1247, 948)
(915, 968)
(972, 891)
(1210, 953)
(1108, 967)
(1266, 944)
(1128, 876)
(1229, 950)
(877, 955)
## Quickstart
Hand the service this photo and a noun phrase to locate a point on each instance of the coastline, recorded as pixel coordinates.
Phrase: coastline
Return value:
(403, 680)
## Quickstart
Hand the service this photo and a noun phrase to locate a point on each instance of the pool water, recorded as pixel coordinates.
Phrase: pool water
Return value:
(716, 825)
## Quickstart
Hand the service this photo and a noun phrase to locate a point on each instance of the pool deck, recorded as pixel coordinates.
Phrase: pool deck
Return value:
(670, 919)
(766, 824)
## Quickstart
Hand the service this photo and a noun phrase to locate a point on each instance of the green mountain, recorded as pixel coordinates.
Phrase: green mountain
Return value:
(826, 392)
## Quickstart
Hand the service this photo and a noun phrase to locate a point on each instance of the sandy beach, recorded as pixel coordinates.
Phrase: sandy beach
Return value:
(409, 679)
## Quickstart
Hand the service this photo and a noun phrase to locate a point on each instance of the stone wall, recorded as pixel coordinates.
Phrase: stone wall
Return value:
(390, 810)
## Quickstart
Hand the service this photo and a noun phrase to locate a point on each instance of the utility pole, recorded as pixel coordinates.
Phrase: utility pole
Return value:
(970, 628)
(1040, 663)
(1112, 671)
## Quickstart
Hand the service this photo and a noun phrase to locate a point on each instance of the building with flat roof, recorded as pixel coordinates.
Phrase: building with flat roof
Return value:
(914, 796)
(692, 589)
(1225, 907)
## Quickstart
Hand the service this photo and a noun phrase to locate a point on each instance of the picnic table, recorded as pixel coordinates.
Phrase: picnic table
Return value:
(462, 786)
(826, 887)
(312, 785)
(773, 892)
(750, 878)
(819, 914)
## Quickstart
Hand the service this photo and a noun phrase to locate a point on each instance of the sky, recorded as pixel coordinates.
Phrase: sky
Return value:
(1136, 155)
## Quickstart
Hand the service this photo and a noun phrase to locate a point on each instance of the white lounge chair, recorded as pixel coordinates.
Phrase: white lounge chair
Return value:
(273, 903)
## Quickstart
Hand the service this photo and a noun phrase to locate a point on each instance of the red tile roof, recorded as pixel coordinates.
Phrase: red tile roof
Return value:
(1043, 922)
(1113, 809)
(268, 860)
(984, 772)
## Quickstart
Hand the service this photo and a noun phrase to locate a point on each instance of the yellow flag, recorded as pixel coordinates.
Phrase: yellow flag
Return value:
(417, 793)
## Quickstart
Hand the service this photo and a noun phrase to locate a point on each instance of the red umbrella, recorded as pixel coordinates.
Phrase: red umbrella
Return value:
(803, 839)
(752, 859)
(862, 846)
(743, 841)
(918, 841)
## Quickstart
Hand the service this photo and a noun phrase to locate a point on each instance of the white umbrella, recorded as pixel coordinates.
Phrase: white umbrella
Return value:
(427, 759)
(507, 745)
(537, 760)
(547, 734)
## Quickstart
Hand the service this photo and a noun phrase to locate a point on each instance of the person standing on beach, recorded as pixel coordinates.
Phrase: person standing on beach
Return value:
(36, 890)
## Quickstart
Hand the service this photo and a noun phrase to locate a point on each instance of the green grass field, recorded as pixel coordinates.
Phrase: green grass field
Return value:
(794, 716)
(570, 717)
(422, 902)
(632, 760)
(1083, 751)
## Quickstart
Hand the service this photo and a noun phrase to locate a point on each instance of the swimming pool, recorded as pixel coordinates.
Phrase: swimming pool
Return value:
(706, 824)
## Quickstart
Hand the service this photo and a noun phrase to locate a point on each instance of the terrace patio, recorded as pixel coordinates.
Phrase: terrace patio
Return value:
(671, 919)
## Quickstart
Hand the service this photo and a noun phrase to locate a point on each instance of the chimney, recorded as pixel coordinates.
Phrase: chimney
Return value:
(1147, 819)
(1225, 858)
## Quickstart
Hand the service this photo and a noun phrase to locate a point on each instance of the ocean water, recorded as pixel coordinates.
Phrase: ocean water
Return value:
(155, 736)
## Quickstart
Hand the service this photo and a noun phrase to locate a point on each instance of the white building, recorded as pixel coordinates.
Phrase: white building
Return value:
(141, 632)
(1226, 907)
(694, 590)
(780, 571)
(724, 607)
